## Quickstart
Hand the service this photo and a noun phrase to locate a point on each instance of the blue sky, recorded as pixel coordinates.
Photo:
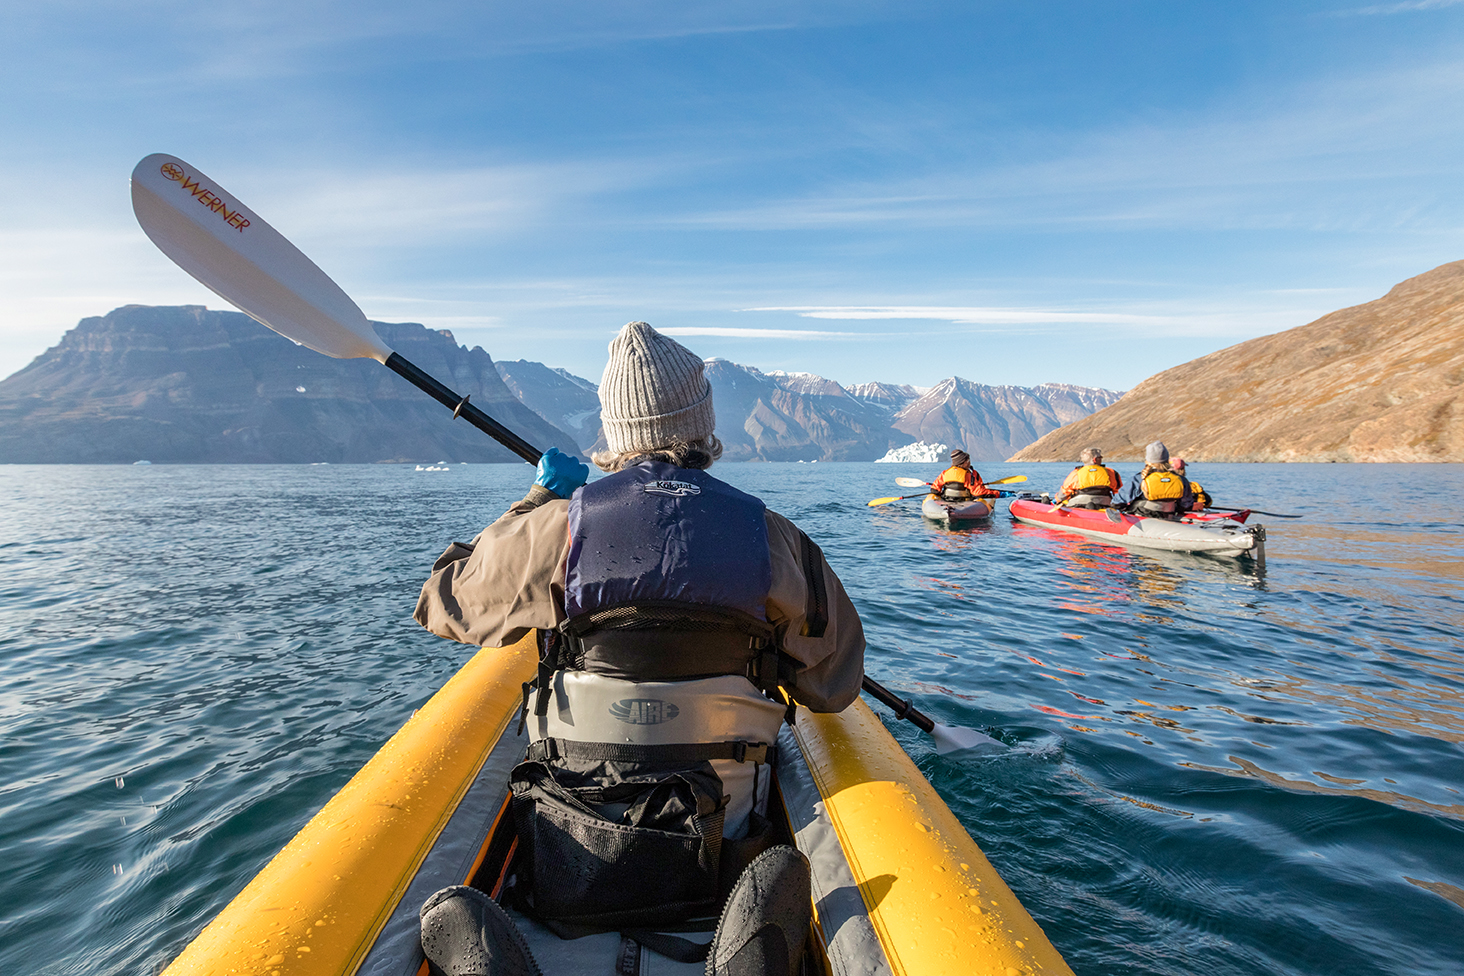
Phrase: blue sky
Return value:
(1014, 192)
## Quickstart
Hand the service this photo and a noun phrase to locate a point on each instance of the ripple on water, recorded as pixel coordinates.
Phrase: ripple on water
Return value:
(1213, 768)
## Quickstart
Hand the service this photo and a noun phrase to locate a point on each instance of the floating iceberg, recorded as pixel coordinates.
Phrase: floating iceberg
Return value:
(917, 453)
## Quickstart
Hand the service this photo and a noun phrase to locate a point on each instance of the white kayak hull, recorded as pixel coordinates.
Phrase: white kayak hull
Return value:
(940, 510)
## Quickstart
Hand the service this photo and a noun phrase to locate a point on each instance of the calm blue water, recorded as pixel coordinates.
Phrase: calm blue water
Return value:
(1214, 771)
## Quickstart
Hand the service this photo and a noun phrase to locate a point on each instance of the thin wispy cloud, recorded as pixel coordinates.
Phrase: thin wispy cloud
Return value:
(1210, 321)
(1410, 6)
(738, 333)
(963, 316)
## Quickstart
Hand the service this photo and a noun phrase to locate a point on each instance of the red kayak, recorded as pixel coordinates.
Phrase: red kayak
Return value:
(1208, 532)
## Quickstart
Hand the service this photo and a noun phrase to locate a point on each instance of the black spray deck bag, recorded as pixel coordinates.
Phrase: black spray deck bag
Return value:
(617, 844)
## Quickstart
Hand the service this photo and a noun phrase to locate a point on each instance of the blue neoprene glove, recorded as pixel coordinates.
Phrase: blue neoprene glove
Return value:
(561, 473)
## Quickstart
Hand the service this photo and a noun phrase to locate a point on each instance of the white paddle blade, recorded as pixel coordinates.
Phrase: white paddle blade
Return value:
(245, 261)
(911, 482)
(961, 743)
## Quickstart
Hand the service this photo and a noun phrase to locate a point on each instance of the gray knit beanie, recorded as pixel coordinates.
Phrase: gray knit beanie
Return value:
(1155, 453)
(654, 392)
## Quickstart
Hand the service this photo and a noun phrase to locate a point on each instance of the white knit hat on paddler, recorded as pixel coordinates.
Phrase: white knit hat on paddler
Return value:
(654, 392)
(1155, 453)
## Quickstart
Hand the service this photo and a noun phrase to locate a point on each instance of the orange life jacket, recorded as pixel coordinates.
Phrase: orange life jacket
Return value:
(956, 481)
(964, 477)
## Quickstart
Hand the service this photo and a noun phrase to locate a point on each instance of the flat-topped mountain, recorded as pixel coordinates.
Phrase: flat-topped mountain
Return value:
(1382, 381)
(186, 384)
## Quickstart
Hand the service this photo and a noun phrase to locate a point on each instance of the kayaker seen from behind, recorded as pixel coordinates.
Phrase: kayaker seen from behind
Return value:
(1158, 491)
(1090, 484)
(1202, 497)
(960, 481)
(673, 607)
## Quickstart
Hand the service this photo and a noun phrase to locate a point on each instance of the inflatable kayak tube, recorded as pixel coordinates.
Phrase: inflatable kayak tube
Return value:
(1216, 536)
(940, 510)
(899, 887)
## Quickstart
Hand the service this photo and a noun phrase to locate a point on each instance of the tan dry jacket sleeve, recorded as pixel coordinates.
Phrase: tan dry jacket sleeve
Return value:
(831, 648)
(512, 580)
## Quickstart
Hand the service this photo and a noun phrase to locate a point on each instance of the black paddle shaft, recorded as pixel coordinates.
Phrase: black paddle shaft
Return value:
(901, 706)
(1254, 511)
(460, 407)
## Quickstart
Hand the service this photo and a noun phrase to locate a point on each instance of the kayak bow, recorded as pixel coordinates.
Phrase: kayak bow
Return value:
(899, 886)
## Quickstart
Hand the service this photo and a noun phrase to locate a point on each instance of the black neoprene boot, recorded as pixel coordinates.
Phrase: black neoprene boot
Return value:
(465, 933)
(764, 926)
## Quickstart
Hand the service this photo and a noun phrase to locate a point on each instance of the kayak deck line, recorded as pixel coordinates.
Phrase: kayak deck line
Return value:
(900, 888)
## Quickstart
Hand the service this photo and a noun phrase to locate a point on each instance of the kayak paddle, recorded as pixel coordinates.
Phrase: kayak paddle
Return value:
(950, 740)
(896, 498)
(916, 482)
(242, 259)
(1257, 511)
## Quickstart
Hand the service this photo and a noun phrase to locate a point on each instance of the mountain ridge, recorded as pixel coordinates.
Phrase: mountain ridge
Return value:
(187, 384)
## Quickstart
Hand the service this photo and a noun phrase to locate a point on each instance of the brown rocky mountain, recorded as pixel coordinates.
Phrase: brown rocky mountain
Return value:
(990, 422)
(565, 400)
(1382, 381)
(888, 398)
(793, 417)
(778, 416)
(186, 384)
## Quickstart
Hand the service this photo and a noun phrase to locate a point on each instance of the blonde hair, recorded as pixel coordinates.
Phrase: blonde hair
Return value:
(698, 454)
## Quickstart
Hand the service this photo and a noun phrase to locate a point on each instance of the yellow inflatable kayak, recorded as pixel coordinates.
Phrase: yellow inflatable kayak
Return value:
(899, 887)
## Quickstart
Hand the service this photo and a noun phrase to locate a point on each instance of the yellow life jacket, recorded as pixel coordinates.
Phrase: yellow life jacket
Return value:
(1091, 476)
(1202, 498)
(1161, 486)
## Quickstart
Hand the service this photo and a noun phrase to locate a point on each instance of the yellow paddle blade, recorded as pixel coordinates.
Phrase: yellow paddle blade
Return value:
(1009, 481)
(885, 501)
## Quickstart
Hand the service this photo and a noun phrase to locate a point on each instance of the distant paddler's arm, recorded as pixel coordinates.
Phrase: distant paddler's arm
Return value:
(817, 620)
(508, 581)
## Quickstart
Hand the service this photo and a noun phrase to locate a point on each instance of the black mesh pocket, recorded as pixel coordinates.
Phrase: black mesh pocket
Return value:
(618, 844)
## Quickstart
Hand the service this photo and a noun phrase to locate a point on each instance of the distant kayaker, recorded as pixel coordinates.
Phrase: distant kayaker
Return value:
(1158, 491)
(960, 481)
(1202, 497)
(1090, 484)
(672, 609)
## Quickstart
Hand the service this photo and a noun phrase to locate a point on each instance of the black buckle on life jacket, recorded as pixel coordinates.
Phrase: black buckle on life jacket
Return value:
(550, 749)
(550, 646)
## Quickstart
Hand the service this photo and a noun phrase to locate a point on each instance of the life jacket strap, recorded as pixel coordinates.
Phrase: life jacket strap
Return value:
(544, 750)
(664, 640)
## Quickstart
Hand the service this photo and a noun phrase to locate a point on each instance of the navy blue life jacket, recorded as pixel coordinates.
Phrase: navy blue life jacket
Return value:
(667, 579)
(650, 773)
(655, 532)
